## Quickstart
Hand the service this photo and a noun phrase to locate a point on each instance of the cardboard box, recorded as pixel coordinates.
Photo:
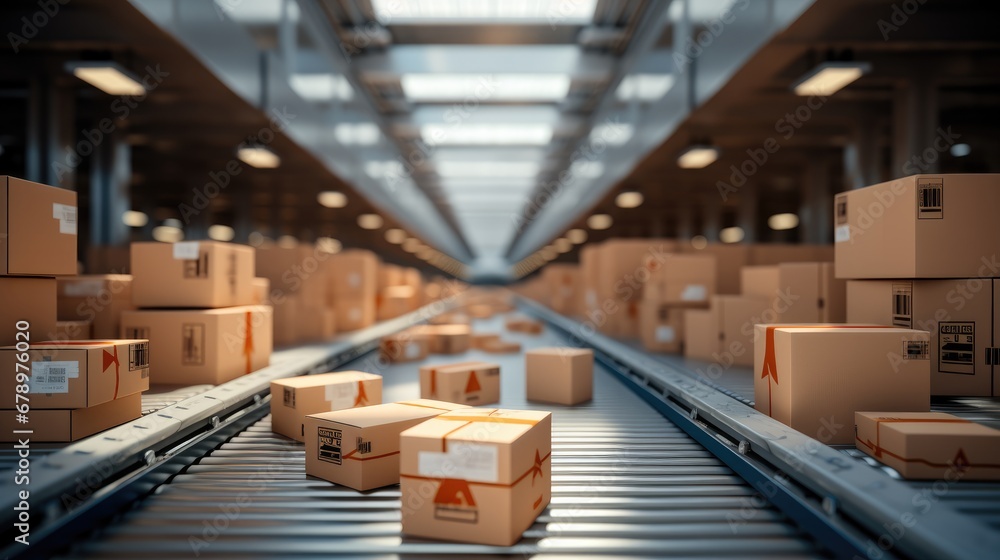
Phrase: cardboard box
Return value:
(315, 323)
(763, 281)
(294, 398)
(354, 285)
(471, 383)
(479, 340)
(661, 327)
(480, 311)
(960, 316)
(389, 275)
(206, 274)
(450, 319)
(73, 330)
(726, 333)
(564, 287)
(38, 229)
(445, 339)
(919, 227)
(617, 271)
(107, 259)
(27, 299)
(96, 298)
(821, 296)
(523, 325)
(680, 279)
(814, 378)
(206, 345)
(701, 334)
(403, 347)
(476, 475)
(261, 291)
(78, 374)
(286, 321)
(59, 425)
(930, 445)
(394, 302)
(298, 271)
(729, 259)
(500, 347)
(559, 375)
(359, 448)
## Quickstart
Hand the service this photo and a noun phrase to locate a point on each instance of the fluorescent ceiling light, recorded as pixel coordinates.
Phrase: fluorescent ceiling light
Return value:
(259, 157)
(452, 185)
(830, 77)
(731, 235)
(395, 236)
(108, 77)
(370, 221)
(644, 87)
(332, 199)
(220, 232)
(321, 87)
(577, 235)
(288, 242)
(780, 222)
(385, 168)
(328, 245)
(357, 134)
(697, 157)
(599, 221)
(168, 234)
(551, 12)
(700, 10)
(960, 150)
(612, 134)
(134, 218)
(699, 242)
(486, 169)
(257, 12)
(487, 134)
(485, 87)
(587, 169)
(629, 199)
(173, 222)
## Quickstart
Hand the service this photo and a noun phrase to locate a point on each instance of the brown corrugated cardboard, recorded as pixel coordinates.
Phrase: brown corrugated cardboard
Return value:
(814, 378)
(294, 398)
(354, 283)
(96, 298)
(261, 291)
(661, 327)
(680, 279)
(444, 339)
(27, 299)
(389, 275)
(78, 374)
(71, 425)
(38, 229)
(315, 323)
(73, 330)
(918, 227)
(205, 345)
(476, 475)
(958, 314)
(523, 325)
(286, 321)
(450, 319)
(564, 283)
(930, 445)
(816, 295)
(395, 301)
(729, 259)
(206, 274)
(726, 332)
(471, 383)
(763, 281)
(701, 334)
(621, 269)
(403, 347)
(298, 271)
(478, 340)
(559, 375)
(359, 448)
(500, 347)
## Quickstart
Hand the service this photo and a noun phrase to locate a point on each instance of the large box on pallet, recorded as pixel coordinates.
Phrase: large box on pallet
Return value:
(294, 398)
(205, 274)
(961, 317)
(65, 425)
(38, 229)
(99, 298)
(922, 226)
(476, 475)
(813, 378)
(205, 345)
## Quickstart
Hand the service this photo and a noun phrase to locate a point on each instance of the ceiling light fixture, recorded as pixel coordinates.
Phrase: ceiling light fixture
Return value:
(168, 234)
(332, 199)
(599, 221)
(134, 218)
(258, 156)
(486, 87)
(699, 242)
(698, 157)
(370, 221)
(779, 222)
(629, 199)
(395, 236)
(487, 134)
(565, 12)
(733, 234)
(830, 77)
(108, 77)
(220, 232)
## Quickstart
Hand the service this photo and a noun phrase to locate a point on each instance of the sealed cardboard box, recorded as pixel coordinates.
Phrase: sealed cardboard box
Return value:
(500, 347)
(72, 330)
(294, 398)
(261, 291)
(661, 327)
(919, 227)
(479, 340)
(96, 298)
(816, 294)
(206, 274)
(395, 301)
(403, 347)
(38, 229)
(315, 323)
(60, 425)
(564, 287)
(480, 311)
(32, 300)
(286, 321)
(814, 378)
(352, 314)
(958, 314)
(701, 334)
(204, 345)
(729, 259)
(471, 383)
(450, 319)
(476, 475)
(930, 445)
(389, 275)
(760, 280)
(359, 448)
(680, 279)
(523, 325)
(559, 375)
(354, 286)
(726, 331)
(78, 374)
(444, 339)
(297, 271)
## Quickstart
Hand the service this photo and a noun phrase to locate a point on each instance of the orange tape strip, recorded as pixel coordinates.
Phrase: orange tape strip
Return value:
(878, 450)
(536, 468)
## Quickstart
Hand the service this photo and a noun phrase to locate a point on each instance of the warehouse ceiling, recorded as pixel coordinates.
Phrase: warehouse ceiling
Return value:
(486, 130)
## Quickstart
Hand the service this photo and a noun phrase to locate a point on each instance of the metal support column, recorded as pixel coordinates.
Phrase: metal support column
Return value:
(110, 177)
(746, 214)
(711, 210)
(861, 155)
(914, 124)
(815, 224)
(51, 157)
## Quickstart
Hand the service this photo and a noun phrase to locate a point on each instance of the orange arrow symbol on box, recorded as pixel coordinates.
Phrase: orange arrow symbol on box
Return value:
(473, 385)
(362, 399)
(109, 359)
(248, 344)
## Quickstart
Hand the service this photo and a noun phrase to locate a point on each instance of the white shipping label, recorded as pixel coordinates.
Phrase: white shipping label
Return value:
(465, 461)
(694, 292)
(83, 288)
(53, 377)
(66, 215)
(412, 350)
(664, 334)
(842, 233)
(186, 250)
(342, 395)
(354, 279)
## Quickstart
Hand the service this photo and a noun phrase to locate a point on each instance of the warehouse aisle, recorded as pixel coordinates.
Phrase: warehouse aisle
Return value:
(625, 481)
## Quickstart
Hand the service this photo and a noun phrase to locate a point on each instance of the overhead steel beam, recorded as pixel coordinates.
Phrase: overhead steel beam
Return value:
(486, 59)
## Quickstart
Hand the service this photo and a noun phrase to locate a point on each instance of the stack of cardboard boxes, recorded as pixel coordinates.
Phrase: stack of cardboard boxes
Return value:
(197, 309)
(94, 304)
(75, 387)
(565, 294)
(354, 288)
(676, 284)
(298, 280)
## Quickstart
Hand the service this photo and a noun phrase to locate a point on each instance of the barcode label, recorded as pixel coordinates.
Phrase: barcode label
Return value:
(916, 350)
(52, 377)
(330, 445)
(196, 268)
(138, 356)
(289, 397)
(193, 344)
(902, 305)
(840, 212)
(930, 199)
(66, 215)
